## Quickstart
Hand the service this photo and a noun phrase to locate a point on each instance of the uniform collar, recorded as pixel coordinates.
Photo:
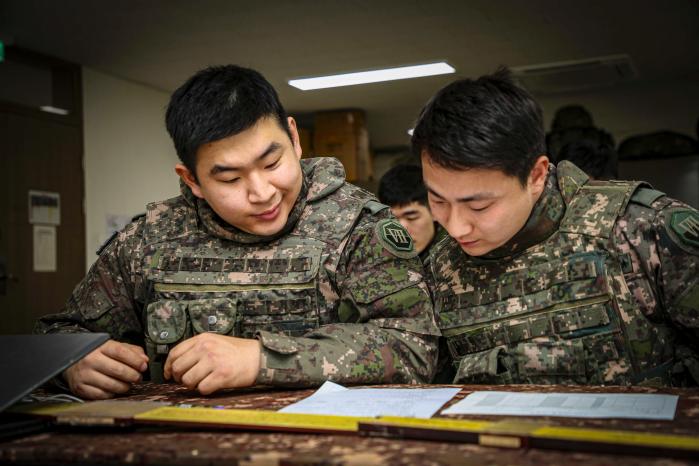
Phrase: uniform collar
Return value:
(321, 176)
(543, 221)
(439, 233)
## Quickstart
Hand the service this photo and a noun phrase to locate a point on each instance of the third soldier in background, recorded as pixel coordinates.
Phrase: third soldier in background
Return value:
(401, 188)
(548, 276)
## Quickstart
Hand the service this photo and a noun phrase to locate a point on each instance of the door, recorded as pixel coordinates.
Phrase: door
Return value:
(43, 152)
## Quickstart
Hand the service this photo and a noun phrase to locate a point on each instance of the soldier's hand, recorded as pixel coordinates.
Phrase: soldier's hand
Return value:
(210, 362)
(107, 371)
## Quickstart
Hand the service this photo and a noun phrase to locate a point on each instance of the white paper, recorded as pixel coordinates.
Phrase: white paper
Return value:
(334, 399)
(44, 248)
(590, 405)
(44, 207)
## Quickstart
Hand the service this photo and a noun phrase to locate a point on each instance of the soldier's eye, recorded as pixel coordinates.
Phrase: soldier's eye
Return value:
(274, 164)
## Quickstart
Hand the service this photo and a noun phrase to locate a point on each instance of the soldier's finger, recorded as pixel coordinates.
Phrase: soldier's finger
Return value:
(120, 352)
(105, 383)
(196, 374)
(210, 383)
(137, 349)
(92, 393)
(182, 364)
(120, 371)
(174, 354)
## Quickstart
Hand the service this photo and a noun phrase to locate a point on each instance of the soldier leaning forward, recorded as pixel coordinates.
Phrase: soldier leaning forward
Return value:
(547, 276)
(266, 270)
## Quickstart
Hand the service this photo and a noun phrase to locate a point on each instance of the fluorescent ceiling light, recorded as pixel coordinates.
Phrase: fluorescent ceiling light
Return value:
(56, 110)
(375, 76)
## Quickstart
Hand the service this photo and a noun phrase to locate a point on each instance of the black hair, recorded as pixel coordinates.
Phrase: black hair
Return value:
(598, 160)
(218, 102)
(402, 185)
(489, 123)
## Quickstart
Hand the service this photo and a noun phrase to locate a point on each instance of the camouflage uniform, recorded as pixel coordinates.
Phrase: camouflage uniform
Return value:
(601, 286)
(333, 296)
(439, 234)
(444, 373)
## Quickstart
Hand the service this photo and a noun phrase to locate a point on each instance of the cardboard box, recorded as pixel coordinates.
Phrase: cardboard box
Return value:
(343, 134)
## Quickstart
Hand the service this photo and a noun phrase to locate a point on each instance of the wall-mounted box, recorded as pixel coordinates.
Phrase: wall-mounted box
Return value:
(343, 134)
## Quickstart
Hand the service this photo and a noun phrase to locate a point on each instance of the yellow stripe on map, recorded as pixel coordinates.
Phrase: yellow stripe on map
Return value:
(539, 430)
(250, 418)
(436, 424)
(616, 437)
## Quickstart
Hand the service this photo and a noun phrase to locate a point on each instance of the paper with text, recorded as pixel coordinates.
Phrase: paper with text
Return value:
(591, 405)
(334, 399)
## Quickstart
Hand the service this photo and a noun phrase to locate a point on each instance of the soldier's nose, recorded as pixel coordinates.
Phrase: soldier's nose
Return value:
(260, 192)
(459, 229)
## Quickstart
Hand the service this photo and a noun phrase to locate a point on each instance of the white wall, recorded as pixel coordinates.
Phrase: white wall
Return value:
(129, 158)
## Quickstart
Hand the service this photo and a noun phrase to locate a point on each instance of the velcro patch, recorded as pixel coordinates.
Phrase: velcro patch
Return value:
(395, 238)
(684, 228)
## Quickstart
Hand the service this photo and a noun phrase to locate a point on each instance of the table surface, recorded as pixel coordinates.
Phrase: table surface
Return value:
(162, 445)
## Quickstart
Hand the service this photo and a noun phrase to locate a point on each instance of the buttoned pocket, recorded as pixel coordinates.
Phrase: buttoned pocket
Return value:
(212, 315)
(166, 321)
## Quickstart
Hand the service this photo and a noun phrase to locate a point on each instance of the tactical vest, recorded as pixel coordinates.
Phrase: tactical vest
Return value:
(199, 283)
(559, 312)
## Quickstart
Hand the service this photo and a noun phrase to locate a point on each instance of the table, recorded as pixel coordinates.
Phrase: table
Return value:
(162, 445)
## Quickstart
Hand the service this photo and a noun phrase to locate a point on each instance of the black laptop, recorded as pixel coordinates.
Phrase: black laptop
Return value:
(28, 361)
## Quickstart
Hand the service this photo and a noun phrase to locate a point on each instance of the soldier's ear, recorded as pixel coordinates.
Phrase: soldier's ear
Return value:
(538, 174)
(295, 139)
(189, 179)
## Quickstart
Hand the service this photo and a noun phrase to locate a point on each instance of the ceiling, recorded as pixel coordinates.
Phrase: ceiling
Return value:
(160, 43)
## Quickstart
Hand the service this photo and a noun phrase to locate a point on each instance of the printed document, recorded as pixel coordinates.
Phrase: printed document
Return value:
(591, 405)
(334, 399)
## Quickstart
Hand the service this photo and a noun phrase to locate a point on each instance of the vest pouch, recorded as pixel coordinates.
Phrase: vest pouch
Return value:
(493, 366)
(166, 324)
(551, 361)
(566, 323)
(293, 314)
(217, 315)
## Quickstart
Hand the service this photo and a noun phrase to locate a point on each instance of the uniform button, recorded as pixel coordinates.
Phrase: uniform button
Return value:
(212, 320)
(164, 334)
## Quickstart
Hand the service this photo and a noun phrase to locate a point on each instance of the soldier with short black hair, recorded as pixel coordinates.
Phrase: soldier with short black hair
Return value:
(267, 269)
(401, 188)
(548, 276)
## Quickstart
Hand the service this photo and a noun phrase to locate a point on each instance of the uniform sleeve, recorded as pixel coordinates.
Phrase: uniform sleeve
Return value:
(385, 332)
(666, 240)
(104, 301)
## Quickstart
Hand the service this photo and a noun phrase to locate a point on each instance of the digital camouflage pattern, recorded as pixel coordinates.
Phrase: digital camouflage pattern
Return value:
(597, 288)
(328, 299)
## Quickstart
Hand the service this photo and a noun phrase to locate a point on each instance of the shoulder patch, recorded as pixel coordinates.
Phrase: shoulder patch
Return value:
(395, 238)
(683, 226)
